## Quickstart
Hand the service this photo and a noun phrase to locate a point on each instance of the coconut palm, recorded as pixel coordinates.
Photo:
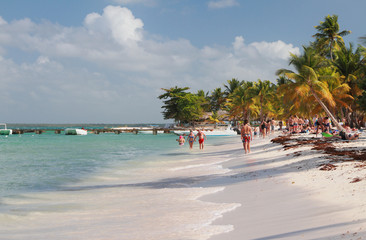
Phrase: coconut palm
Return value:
(350, 64)
(240, 102)
(265, 91)
(217, 99)
(329, 36)
(306, 79)
(232, 85)
(338, 88)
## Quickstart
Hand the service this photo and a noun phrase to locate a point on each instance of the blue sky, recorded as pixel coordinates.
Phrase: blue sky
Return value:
(104, 61)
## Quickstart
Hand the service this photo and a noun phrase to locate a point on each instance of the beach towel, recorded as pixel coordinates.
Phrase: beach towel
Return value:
(326, 134)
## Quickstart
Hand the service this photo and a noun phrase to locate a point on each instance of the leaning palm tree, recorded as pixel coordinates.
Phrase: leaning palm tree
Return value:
(307, 79)
(329, 36)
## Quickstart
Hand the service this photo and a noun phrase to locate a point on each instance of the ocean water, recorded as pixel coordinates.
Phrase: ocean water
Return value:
(106, 186)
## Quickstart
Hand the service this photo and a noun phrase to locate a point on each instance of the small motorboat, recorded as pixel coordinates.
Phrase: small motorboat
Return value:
(5, 131)
(76, 131)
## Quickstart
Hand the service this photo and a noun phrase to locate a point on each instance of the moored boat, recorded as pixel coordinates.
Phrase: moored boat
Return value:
(5, 131)
(76, 131)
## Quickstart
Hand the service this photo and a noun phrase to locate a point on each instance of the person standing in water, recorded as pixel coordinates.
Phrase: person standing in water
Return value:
(191, 138)
(201, 138)
(246, 136)
(181, 140)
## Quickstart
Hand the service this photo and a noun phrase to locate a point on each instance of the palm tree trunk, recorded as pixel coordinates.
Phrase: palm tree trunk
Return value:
(340, 128)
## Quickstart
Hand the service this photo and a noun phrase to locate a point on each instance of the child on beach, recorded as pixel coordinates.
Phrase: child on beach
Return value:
(246, 136)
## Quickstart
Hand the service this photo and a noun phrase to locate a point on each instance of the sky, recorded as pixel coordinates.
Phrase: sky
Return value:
(105, 61)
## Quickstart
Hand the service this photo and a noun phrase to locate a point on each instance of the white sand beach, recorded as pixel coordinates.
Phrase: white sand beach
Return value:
(218, 193)
(284, 195)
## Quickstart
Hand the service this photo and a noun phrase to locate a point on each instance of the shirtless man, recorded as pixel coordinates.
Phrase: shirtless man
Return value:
(201, 138)
(246, 136)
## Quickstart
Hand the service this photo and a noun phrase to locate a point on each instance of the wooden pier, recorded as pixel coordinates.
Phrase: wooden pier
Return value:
(137, 130)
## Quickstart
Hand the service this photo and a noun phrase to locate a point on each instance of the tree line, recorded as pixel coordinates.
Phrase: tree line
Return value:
(328, 79)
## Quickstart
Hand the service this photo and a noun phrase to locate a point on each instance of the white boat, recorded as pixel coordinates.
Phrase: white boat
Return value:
(76, 131)
(221, 131)
(5, 131)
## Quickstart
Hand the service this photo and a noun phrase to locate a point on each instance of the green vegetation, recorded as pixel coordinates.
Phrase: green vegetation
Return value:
(328, 79)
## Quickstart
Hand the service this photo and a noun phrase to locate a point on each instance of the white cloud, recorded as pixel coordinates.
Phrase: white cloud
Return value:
(109, 70)
(222, 3)
(120, 22)
(2, 21)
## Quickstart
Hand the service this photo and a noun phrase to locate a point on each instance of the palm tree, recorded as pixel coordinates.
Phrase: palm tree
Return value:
(232, 85)
(265, 91)
(306, 79)
(217, 99)
(350, 65)
(329, 36)
(240, 102)
(205, 100)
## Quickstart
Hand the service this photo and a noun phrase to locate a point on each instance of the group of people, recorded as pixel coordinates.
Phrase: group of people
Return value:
(191, 138)
(318, 125)
(265, 127)
(294, 124)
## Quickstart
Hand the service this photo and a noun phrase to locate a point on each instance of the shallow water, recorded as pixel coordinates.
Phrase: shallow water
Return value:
(106, 186)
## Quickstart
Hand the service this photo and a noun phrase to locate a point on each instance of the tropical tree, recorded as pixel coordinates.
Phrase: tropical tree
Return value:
(171, 102)
(265, 91)
(338, 88)
(217, 99)
(190, 108)
(306, 79)
(182, 106)
(329, 37)
(240, 102)
(205, 100)
(231, 86)
(350, 64)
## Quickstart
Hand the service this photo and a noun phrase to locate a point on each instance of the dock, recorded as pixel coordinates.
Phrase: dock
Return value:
(119, 130)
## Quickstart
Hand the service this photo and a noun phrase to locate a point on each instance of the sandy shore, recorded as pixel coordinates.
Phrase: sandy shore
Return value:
(284, 194)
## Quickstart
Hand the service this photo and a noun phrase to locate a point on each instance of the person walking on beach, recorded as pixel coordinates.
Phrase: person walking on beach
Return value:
(191, 138)
(201, 138)
(246, 136)
(280, 124)
(263, 128)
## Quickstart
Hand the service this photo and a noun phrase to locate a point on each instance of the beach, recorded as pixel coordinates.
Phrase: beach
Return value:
(117, 191)
(283, 194)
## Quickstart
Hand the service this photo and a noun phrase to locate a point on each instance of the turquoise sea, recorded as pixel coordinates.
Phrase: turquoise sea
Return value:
(54, 186)
(31, 162)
